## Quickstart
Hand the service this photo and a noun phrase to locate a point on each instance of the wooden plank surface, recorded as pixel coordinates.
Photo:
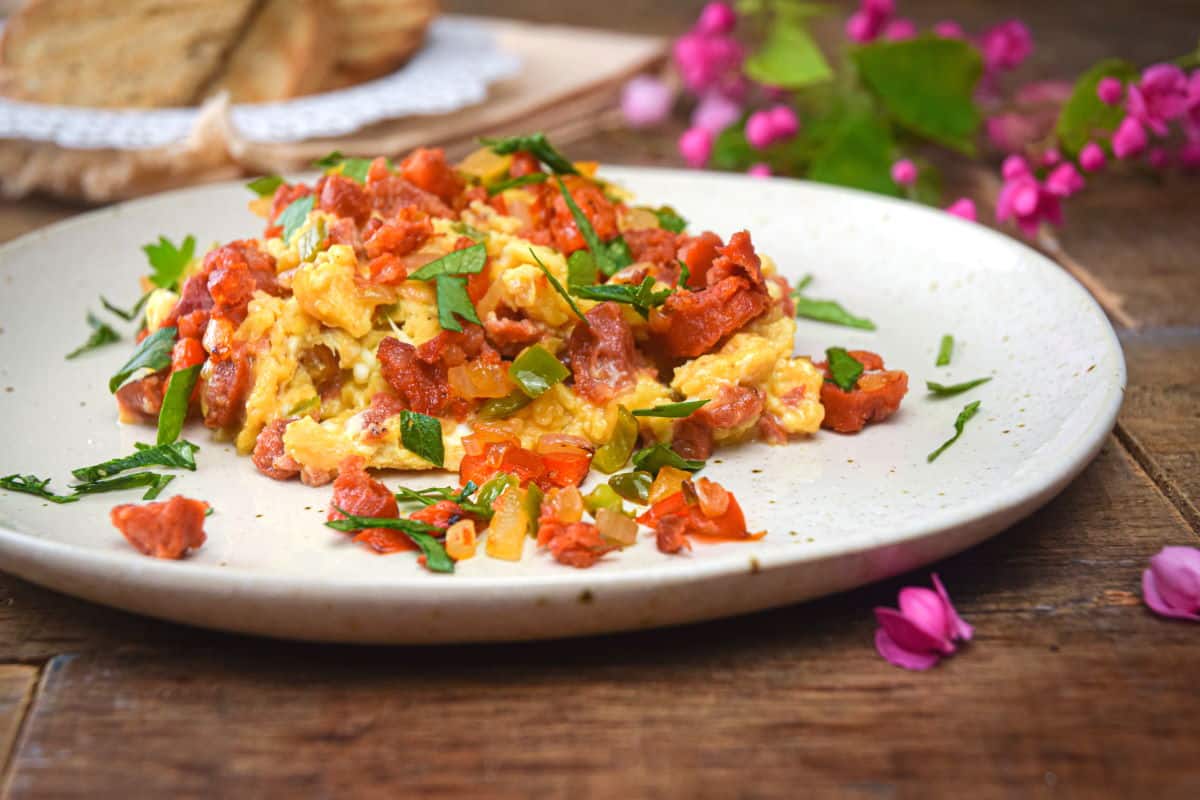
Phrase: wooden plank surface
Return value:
(17, 683)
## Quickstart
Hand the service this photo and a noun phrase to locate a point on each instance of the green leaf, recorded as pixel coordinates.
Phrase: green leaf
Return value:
(641, 297)
(418, 533)
(453, 301)
(963, 416)
(604, 259)
(669, 219)
(154, 480)
(558, 287)
(857, 153)
(581, 269)
(844, 368)
(535, 370)
(265, 186)
(945, 351)
(331, 160)
(501, 407)
(671, 410)
(652, 459)
(790, 57)
(32, 484)
(927, 84)
(102, 334)
(469, 261)
(536, 145)
(1085, 115)
(309, 243)
(422, 435)
(802, 284)
(685, 275)
(175, 404)
(953, 389)
(129, 315)
(513, 183)
(293, 217)
(154, 353)
(474, 234)
(829, 311)
(167, 262)
(180, 455)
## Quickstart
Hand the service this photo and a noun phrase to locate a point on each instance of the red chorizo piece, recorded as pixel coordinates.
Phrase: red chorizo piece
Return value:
(234, 273)
(736, 259)
(576, 544)
(875, 397)
(670, 535)
(698, 252)
(421, 387)
(451, 348)
(692, 323)
(269, 455)
(600, 212)
(390, 195)
(654, 246)
(225, 390)
(441, 514)
(399, 237)
(426, 168)
(357, 493)
(601, 354)
(344, 231)
(343, 197)
(770, 431)
(510, 335)
(141, 400)
(162, 530)
(383, 407)
(733, 407)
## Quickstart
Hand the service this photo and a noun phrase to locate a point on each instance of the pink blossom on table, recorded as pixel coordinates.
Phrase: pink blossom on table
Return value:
(715, 112)
(760, 131)
(695, 145)
(1064, 180)
(1032, 118)
(784, 121)
(1005, 46)
(1092, 157)
(1158, 157)
(716, 18)
(1110, 91)
(949, 29)
(1129, 138)
(759, 170)
(963, 207)
(1188, 155)
(707, 61)
(900, 29)
(1051, 157)
(904, 172)
(924, 629)
(1014, 167)
(1012, 132)
(1159, 97)
(1171, 586)
(1026, 202)
(645, 101)
(866, 24)
(1192, 114)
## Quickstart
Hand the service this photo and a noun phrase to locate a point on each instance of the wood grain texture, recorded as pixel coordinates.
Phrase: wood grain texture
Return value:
(17, 686)
(1069, 684)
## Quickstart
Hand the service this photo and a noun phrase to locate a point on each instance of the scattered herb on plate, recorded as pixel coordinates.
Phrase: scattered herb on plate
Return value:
(652, 459)
(102, 334)
(942, 390)
(844, 368)
(963, 416)
(167, 262)
(32, 484)
(180, 455)
(945, 350)
(418, 533)
(671, 410)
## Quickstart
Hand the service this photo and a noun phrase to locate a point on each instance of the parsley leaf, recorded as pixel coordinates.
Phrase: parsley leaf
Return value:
(474, 234)
(803, 283)
(422, 435)
(331, 160)
(129, 315)
(513, 183)
(102, 334)
(685, 274)
(963, 416)
(292, 217)
(652, 459)
(844, 368)
(536, 145)
(452, 300)
(641, 297)
(671, 410)
(535, 370)
(180, 454)
(355, 169)
(418, 533)
(155, 481)
(945, 350)
(175, 404)
(469, 261)
(604, 259)
(154, 353)
(829, 311)
(669, 220)
(957, 388)
(32, 484)
(265, 186)
(558, 287)
(428, 497)
(168, 261)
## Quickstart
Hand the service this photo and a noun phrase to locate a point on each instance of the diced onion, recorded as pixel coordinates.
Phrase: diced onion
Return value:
(615, 527)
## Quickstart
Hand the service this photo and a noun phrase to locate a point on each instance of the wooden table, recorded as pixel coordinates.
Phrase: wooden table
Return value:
(1071, 687)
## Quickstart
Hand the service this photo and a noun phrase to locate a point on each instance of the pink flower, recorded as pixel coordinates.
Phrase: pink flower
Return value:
(963, 207)
(949, 29)
(868, 22)
(904, 172)
(1005, 46)
(695, 145)
(784, 122)
(1051, 157)
(707, 61)
(1129, 139)
(1171, 587)
(1064, 181)
(1014, 167)
(760, 132)
(1159, 97)
(923, 630)
(1092, 157)
(759, 170)
(900, 29)
(645, 101)
(1159, 158)
(715, 112)
(716, 18)
(1026, 202)
(1011, 132)
(1110, 91)
(1192, 119)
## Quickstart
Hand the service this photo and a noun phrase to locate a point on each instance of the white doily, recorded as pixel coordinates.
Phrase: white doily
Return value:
(453, 70)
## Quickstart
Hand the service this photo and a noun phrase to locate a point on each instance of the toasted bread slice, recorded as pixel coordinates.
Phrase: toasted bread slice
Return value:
(139, 53)
(377, 36)
(281, 54)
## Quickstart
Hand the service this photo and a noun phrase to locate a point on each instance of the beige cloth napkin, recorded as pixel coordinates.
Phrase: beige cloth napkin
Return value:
(566, 74)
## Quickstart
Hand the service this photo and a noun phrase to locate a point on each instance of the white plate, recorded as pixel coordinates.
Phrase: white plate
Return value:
(840, 510)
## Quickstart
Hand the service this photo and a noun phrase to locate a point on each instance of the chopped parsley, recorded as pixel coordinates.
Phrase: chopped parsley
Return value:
(558, 287)
(265, 186)
(685, 274)
(474, 234)
(942, 390)
(154, 353)
(535, 370)
(671, 410)
(963, 416)
(309, 243)
(537, 145)
(452, 298)
(129, 315)
(945, 350)
(468, 261)
(844, 368)
(175, 404)
(652, 459)
(604, 258)
(641, 297)
(829, 311)
(418, 533)
(102, 334)
(292, 218)
(513, 183)
(422, 435)
(167, 262)
(669, 220)
(155, 482)
(180, 454)
(803, 283)
(462, 497)
(355, 169)
(32, 484)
